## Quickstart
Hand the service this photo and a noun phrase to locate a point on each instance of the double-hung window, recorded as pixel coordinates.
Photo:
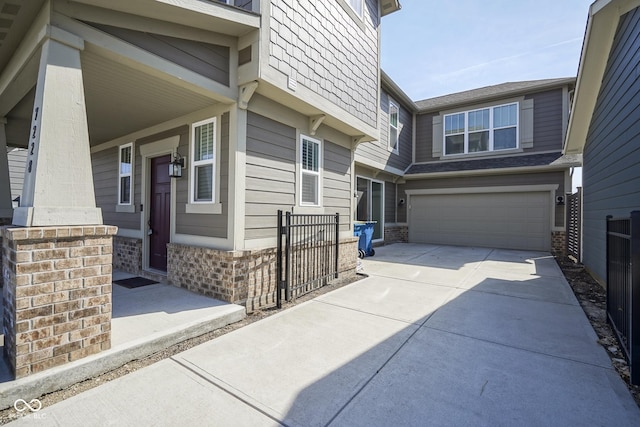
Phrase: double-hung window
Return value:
(203, 164)
(125, 169)
(482, 130)
(310, 168)
(394, 113)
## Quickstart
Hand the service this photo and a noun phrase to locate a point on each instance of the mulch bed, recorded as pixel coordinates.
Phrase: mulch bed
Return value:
(592, 298)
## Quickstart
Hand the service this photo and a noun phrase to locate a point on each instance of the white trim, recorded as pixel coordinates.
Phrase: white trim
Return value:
(396, 149)
(214, 162)
(124, 206)
(491, 129)
(148, 151)
(479, 190)
(208, 242)
(317, 173)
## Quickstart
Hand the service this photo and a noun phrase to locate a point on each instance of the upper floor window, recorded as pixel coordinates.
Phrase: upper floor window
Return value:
(203, 164)
(486, 129)
(310, 168)
(357, 6)
(394, 113)
(125, 169)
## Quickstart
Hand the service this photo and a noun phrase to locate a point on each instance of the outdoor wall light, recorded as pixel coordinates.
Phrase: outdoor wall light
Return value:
(559, 200)
(176, 165)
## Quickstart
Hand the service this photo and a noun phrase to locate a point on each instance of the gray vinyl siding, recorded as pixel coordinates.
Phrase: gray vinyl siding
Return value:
(271, 173)
(207, 59)
(547, 121)
(333, 53)
(209, 225)
(336, 190)
(390, 202)
(424, 137)
(547, 126)
(378, 151)
(611, 173)
(271, 176)
(401, 210)
(17, 158)
(105, 182)
(496, 181)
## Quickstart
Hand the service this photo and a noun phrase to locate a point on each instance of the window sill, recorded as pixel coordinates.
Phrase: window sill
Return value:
(125, 209)
(204, 208)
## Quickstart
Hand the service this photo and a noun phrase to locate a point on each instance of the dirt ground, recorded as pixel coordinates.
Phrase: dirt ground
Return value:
(589, 293)
(592, 298)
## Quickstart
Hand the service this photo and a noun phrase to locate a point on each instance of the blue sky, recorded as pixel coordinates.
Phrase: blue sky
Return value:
(432, 48)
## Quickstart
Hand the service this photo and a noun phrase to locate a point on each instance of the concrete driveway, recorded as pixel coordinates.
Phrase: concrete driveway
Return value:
(435, 336)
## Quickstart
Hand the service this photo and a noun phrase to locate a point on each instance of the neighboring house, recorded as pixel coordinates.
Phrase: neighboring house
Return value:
(17, 158)
(605, 124)
(485, 167)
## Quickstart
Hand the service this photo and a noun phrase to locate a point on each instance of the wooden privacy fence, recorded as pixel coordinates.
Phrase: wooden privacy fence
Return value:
(307, 253)
(623, 286)
(574, 224)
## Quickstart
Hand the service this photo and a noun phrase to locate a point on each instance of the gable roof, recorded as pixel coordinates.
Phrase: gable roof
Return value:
(490, 92)
(604, 16)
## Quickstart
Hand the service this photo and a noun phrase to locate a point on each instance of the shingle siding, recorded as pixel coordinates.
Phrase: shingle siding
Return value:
(332, 54)
(611, 176)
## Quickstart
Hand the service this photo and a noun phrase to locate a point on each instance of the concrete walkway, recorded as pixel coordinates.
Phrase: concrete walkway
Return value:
(144, 321)
(435, 336)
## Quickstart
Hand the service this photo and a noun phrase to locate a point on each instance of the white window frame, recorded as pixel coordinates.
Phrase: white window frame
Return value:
(197, 163)
(125, 174)
(361, 6)
(396, 149)
(304, 171)
(491, 130)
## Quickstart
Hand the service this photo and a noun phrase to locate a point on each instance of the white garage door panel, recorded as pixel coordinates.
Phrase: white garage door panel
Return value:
(500, 220)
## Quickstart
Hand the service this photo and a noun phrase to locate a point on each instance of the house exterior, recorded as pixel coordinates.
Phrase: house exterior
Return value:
(16, 160)
(604, 124)
(262, 101)
(481, 168)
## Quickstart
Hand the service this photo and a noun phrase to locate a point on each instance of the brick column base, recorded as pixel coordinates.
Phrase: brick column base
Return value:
(559, 243)
(57, 295)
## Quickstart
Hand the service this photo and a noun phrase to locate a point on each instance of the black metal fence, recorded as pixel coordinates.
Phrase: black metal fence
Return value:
(574, 224)
(623, 286)
(307, 253)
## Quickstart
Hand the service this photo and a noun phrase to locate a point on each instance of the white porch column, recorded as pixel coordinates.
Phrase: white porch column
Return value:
(6, 205)
(58, 185)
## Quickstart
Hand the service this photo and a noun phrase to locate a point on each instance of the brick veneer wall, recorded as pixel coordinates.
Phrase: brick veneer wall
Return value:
(559, 243)
(241, 277)
(127, 254)
(57, 295)
(396, 234)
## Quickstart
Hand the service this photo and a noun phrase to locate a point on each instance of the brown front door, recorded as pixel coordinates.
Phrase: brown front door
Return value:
(159, 212)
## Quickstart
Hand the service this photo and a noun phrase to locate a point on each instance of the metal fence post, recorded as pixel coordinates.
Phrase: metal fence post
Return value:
(607, 270)
(337, 258)
(634, 363)
(279, 263)
(287, 251)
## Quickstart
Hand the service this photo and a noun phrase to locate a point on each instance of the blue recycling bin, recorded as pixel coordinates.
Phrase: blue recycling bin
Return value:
(364, 230)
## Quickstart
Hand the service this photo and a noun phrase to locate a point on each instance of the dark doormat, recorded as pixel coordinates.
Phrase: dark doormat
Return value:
(135, 282)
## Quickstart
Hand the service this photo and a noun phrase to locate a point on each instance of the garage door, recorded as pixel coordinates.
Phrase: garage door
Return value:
(497, 220)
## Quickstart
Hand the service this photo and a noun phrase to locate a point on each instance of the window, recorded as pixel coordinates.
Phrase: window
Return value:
(309, 171)
(356, 5)
(486, 129)
(394, 113)
(203, 164)
(125, 181)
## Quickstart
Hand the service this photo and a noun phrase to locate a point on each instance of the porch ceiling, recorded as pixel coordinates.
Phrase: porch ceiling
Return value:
(120, 100)
(15, 18)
